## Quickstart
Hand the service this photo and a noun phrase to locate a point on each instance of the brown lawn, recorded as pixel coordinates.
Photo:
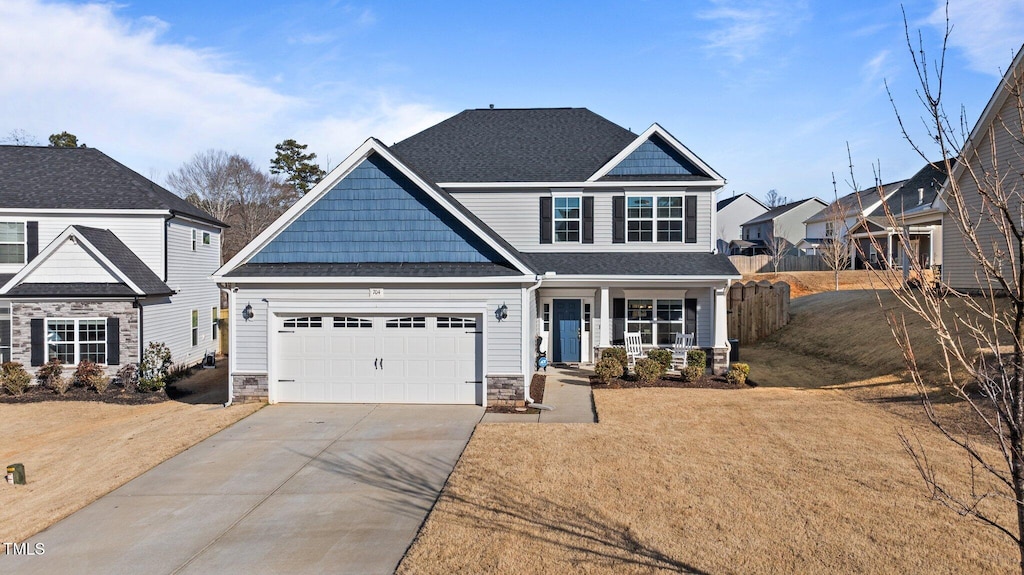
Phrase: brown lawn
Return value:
(76, 451)
(807, 283)
(803, 474)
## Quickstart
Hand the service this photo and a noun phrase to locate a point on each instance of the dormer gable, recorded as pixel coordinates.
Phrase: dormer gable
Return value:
(656, 155)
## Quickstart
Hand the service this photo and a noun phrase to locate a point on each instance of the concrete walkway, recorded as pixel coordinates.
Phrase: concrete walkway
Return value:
(290, 489)
(567, 390)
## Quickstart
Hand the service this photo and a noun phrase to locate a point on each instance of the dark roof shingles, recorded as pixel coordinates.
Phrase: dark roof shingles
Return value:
(632, 263)
(125, 260)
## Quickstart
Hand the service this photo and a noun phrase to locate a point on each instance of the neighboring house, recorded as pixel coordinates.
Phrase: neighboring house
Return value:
(437, 269)
(97, 261)
(915, 210)
(842, 221)
(994, 155)
(784, 222)
(732, 212)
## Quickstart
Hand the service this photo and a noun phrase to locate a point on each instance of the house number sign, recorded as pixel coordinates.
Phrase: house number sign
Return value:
(376, 292)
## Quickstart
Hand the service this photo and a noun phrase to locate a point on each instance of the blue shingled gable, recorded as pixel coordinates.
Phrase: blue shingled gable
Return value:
(376, 214)
(655, 158)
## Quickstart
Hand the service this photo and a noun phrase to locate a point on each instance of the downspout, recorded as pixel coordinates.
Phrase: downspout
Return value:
(528, 371)
(231, 344)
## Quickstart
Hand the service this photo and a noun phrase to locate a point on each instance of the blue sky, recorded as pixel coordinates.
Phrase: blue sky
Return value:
(767, 92)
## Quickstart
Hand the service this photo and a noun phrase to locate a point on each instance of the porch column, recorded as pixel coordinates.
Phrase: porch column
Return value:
(720, 308)
(604, 338)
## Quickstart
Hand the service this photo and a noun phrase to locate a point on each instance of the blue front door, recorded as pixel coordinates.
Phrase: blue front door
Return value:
(566, 338)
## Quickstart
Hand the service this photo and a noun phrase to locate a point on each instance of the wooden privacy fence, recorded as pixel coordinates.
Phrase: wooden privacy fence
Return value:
(757, 310)
(763, 264)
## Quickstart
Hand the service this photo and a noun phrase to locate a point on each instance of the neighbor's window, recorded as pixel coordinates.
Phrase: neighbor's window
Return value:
(657, 321)
(194, 243)
(213, 319)
(567, 219)
(195, 327)
(206, 238)
(74, 340)
(830, 229)
(12, 242)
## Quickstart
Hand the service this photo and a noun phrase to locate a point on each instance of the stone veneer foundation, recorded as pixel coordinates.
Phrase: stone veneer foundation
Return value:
(505, 390)
(249, 387)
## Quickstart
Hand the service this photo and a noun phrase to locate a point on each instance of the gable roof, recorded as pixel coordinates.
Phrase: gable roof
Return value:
(919, 191)
(777, 211)
(515, 145)
(136, 279)
(37, 177)
(373, 148)
(723, 203)
(853, 203)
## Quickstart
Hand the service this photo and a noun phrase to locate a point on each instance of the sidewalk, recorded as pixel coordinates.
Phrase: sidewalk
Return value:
(567, 390)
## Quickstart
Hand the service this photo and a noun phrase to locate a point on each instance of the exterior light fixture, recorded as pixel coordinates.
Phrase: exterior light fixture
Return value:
(247, 312)
(501, 313)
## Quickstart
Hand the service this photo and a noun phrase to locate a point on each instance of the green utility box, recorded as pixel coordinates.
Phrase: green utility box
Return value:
(17, 471)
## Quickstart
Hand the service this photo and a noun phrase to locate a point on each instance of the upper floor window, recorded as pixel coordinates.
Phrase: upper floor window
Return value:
(206, 238)
(12, 242)
(830, 229)
(567, 219)
(194, 242)
(661, 219)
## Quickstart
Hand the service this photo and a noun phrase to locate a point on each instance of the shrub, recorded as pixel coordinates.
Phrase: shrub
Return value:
(619, 355)
(648, 370)
(177, 372)
(90, 374)
(14, 378)
(49, 375)
(737, 374)
(697, 357)
(662, 356)
(608, 369)
(156, 361)
(692, 373)
(128, 377)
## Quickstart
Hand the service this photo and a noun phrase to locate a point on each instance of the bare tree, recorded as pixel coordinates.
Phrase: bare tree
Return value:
(19, 137)
(981, 333)
(777, 247)
(773, 199)
(834, 250)
(232, 189)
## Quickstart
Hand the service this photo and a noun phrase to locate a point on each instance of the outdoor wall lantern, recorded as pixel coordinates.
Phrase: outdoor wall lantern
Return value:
(501, 313)
(247, 312)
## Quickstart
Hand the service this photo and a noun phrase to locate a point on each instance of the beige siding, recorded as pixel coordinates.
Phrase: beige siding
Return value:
(959, 268)
(515, 216)
(188, 274)
(504, 342)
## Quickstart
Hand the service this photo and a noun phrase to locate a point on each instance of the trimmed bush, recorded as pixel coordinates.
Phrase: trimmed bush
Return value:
(156, 361)
(14, 378)
(647, 370)
(608, 369)
(697, 357)
(662, 356)
(50, 375)
(691, 373)
(89, 374)
(619, 355)
(737, 374)
(128, 377)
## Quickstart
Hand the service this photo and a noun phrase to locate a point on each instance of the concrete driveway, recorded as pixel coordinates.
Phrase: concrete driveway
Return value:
(296, 488)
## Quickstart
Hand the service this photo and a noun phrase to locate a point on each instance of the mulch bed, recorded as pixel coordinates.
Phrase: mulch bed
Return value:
(116, 395)
(706, 382)
(536, 392)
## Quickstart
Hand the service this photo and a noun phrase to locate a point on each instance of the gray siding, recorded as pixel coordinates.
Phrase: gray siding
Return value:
(504, 343)
(188, 273)
(515, 216)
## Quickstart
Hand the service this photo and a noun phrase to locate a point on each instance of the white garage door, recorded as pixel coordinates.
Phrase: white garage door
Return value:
(377, 359)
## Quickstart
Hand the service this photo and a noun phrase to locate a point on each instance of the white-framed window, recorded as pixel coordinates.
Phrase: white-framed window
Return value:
(12, 242)
(419, 321)
(74, 340)
(456, 322)
(214, 322)
(5, 333)
(654, 218)
(195, 327)
(194, 241)
(304, 322)
(656, 320)
(206, 238)
(830, 229)
(586, 317)
(567, 218)
(356, 322)
(546, 315)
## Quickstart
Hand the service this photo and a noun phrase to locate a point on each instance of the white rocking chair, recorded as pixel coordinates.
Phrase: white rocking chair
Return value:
(683, 344)
(634, 348)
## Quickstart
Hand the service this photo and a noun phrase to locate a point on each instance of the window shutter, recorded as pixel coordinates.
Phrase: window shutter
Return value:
(690, 222)
(113, 341)
(38, 339)
(618, 320)
(31, 240)
(588, 219)
(545, 220)
(619, 219)
(690, 326)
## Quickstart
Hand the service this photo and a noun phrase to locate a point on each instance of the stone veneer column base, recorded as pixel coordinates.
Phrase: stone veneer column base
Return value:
(505, 390)
(247, 388)
(719, 360)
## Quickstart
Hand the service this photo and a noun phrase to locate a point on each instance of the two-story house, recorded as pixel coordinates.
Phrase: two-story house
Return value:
(732, 212)
(97, 261)
(785, 223)
(437, 269)
(844, 221)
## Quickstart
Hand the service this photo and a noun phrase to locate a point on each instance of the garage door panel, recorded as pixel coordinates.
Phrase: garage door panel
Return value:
(364, 392)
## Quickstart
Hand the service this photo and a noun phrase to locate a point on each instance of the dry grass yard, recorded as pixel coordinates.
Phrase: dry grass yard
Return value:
(807, 283)
(76, 451)
(803, 474)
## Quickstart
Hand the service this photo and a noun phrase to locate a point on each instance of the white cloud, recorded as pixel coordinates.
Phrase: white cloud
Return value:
(746, 25)
(876, 69)
(150, 103)
(989, 32)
